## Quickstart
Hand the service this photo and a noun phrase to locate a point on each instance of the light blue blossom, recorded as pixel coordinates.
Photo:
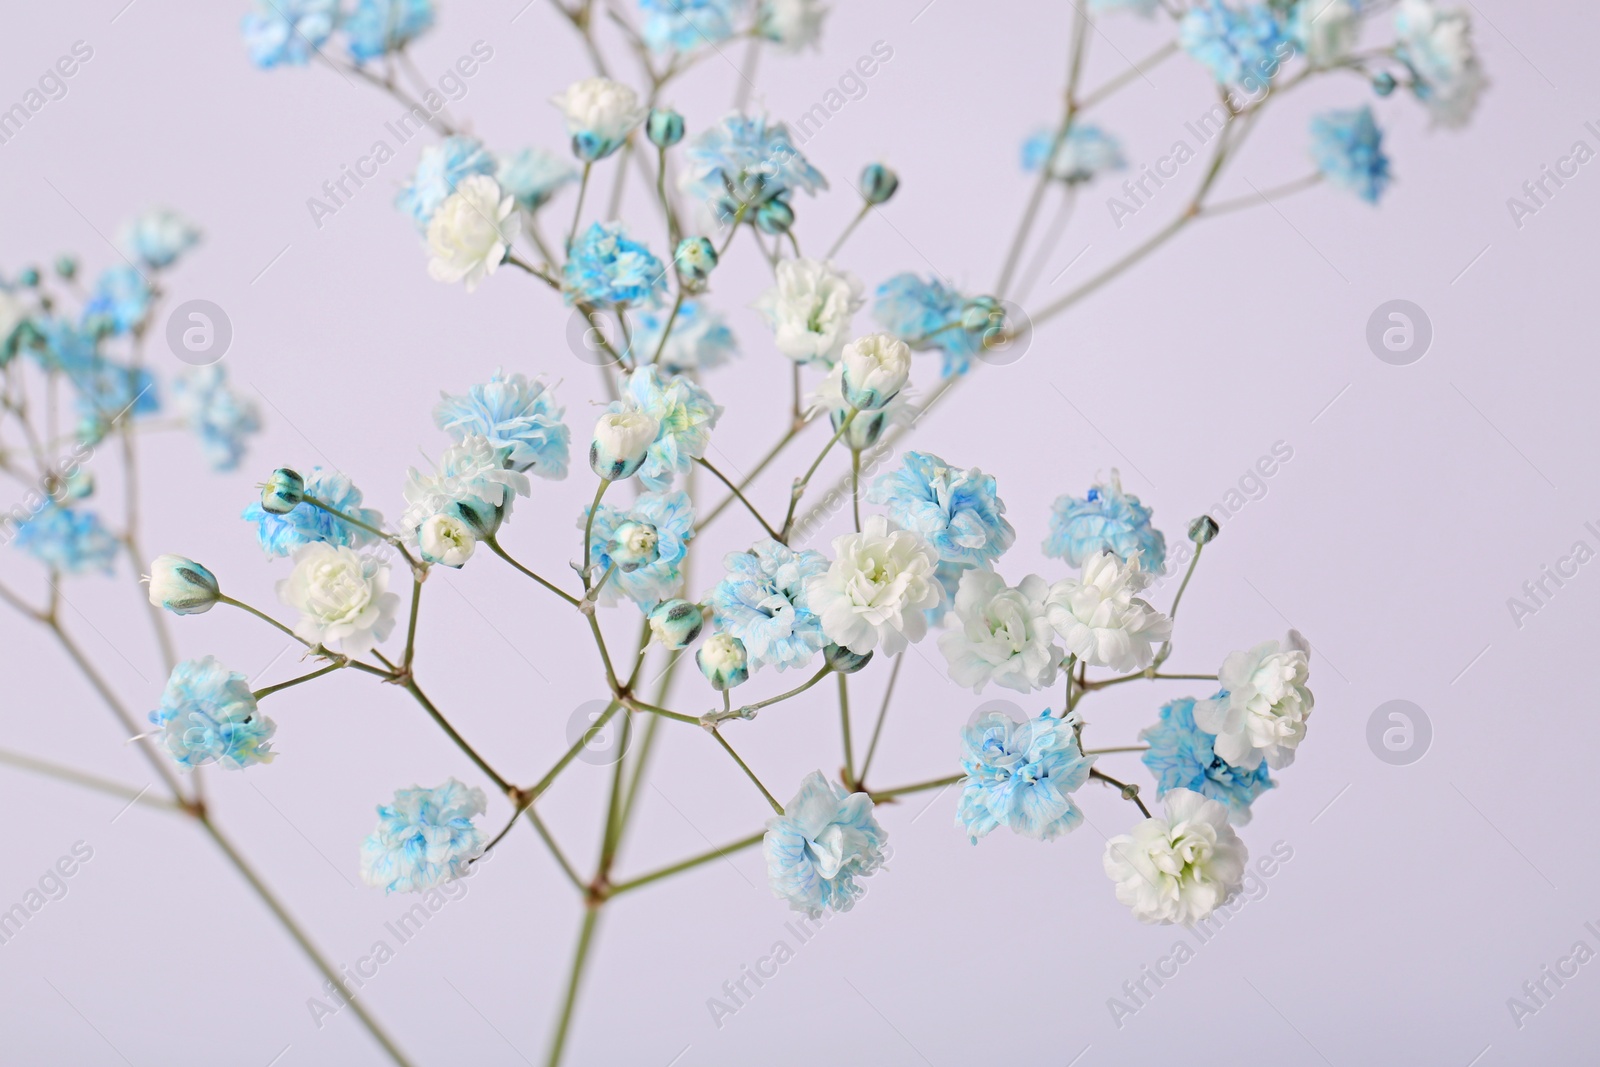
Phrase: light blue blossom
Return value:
(157, 236)
(1106, 519)
(684, 25)
(68, 540)
(288, 31)
(673, 517)
(470, 483)
(533, 176)
(211, 408)
(1181, 757)
(425, 838)
(1348, 149)
(517, 414)
(1086, 153)
(763, 602)
(208, 715)
(955, 511)
(949, 576)
(107, 390)
(746, 161)
(378, 27)
(608, 268)
(1240, 46)
(440, 169)
(121, 300)
(700, 339)
(823, 842)
(1021, 775)
(280, 535)
(927, 315)
(685, 414)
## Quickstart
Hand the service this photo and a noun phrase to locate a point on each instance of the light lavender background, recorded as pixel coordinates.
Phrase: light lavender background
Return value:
(1417, 501)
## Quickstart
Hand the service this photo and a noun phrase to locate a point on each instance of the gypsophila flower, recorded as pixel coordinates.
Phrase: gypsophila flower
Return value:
(1085, 154)
(1102, 621)
(1437, 47)
(609, 268)
(1325, 30)
(875, 368)
(378, 27)
(1348, 149)
(824, 841)
(472, 232)
(208, 715)
(518, 415)
(425, 838)
(68, 540)
(1177, 868)
(956, 511)
(1021, 775)
(1182, 756)
(809, 308)
(440, 171)
(949, 576)
(305, 524)
(341, 596)
(927, 315)
(1261, 712)
(875, 592)
(744, 162)
(791, 24)
(446, 540)
(220, 415)
(121, 299)
(288, 31)
(1002, 634)
(1105, 520)
(534, 176)
(764, 602)
(672, 515)
(700, 339)
(867, 426)
(157, 236)
(1240, 46)
(684, 25)
(621, 443)
(182, 586)
(600, 114)
(472, 483)
(685, 415)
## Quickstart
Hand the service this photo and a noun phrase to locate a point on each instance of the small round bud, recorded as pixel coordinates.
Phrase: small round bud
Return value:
(590, 148)
(67, 267)
(696, 258)
(1203, 530)
(78, 485)
(182, 586)
(723, 661)
(876, 367)
(774, 217)
(664, 127)
(983, 318)
(634, 545)
(622, 440)
(676, 623)
(843, 660)
(283, 492)
(446, 539)
(483, 521)
(29, 277)
(878, 183)
(865, 428)
(1383, 83)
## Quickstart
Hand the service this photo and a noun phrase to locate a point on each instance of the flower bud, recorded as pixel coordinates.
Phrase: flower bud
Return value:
(78, 485)
(984, 318)
(446, 539)
(283, 492)
(843, 660)
(622, 439)
(696, 258)
(774, 217)
(865, 428)
(1383, 83)
(67, 267)
(29, 277)
(1203, 529)
(723, 661)
(878, 183)
(676, 623)
(876, 367)
(634, 545)
(664, 127)
(182, 586)
(481, 520)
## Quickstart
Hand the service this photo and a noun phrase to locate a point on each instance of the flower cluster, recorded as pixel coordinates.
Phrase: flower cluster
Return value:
(1021, 775)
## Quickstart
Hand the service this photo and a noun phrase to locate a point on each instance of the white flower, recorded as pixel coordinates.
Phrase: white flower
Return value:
(446, 540)
(471, 482)
(877, 589)
(1178, 869)
(1100, 619)
(867, 426)
(182, 586)
(1262, 713)
(792, 24)
(1437, 45)
(809, 309)
(600, 114)
(622, 440)
(341, 598)
(1326, 29)
(1004, 634)
(876, 367)
(471, 233)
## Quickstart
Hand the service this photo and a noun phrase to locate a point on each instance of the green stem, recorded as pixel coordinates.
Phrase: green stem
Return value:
(919, 787)
(766, 461)
(411, 626)
(844, 725)
(577, 211)
(555, 849)
(1193, 561)
(577, 747)
(261, 694)
(688, 864)
(494, 546)
(848, 230)
(883, 711)
(494, 776)
(804, 480)
(677, 305)
(739, 496)
(580, 956)
(588, 528)
(745, 767)
(87, 781)
(1130, 792)
(747, 711)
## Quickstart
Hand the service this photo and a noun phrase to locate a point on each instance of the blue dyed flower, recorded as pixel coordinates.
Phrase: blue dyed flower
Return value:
(305, 524)
(825, 839)
(425, 838)
(1240, 46)
(1086, 153)
(1109, 520)
(67, 540)
(684, 25)
(955, 511)
(608, 268)
(517, 414)
(440, 169)
(700, 339)
(1021, 775)
(949, 576)
(927, 315)
(208, 715)
(685, 414)
(211, 408)
(1181, 756)
(378, 27)
(533, 176)
(288, 31)
(157, 236)
(763, 603)
(1348, 149)
(672, 515)
(745, 161)
(121, 300)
